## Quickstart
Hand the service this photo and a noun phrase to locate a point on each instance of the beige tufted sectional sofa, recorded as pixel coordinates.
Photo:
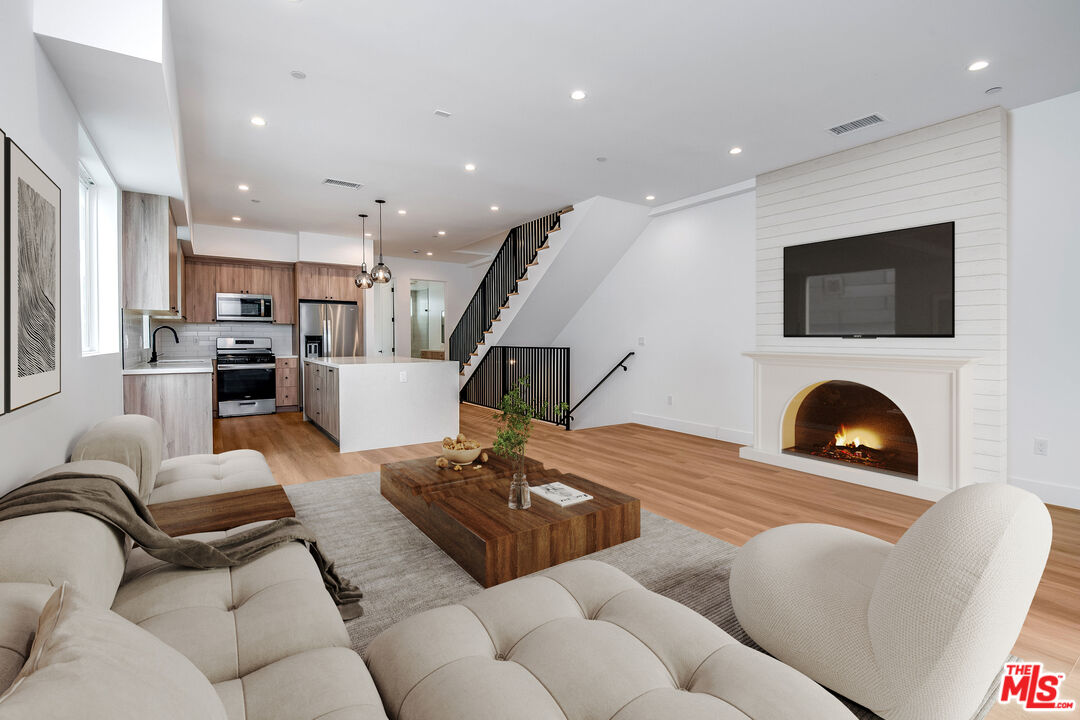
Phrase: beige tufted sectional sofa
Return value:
(582, 641)
(266, 634)
(136, 441)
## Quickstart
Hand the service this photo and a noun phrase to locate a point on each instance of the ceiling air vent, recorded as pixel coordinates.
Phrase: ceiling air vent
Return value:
(343, 184)
(857, 124)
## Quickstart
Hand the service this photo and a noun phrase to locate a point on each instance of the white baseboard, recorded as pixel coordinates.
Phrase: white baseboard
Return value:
(1050, 493)
(739, 437)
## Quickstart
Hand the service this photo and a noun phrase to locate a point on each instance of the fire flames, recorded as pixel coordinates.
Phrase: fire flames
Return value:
(859, 446)
(849, 438)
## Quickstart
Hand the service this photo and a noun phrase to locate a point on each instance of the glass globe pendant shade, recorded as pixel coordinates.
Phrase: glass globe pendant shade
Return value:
(380, 273)
(363, 278)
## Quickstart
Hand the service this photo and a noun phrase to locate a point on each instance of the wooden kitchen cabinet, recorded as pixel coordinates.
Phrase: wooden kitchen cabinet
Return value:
(201, 283)
(151, 277)
(205, 278)
(283, 288)
(287, 382)
(181, 402)
(321, 404)
(326, 282)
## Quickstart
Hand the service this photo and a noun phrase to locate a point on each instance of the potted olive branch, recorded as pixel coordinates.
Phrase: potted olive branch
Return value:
(514, 421)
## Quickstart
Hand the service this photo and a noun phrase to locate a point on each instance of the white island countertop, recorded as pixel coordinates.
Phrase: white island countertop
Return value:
(375, 402)
(172, 367)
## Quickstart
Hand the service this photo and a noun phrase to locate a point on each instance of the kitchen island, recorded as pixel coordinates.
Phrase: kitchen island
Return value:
(364, 403)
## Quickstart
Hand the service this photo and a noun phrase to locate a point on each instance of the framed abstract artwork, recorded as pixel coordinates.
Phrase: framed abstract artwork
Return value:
(3, 264)
(32, 297)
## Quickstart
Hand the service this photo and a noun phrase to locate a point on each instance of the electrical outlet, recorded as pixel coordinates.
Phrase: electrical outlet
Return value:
(641, 340)
(670, 399)
(403, 376)
(1042, 446)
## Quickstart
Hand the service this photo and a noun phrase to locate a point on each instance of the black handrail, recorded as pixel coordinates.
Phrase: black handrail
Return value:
(514, 257)
(621, 364)
(548, 370)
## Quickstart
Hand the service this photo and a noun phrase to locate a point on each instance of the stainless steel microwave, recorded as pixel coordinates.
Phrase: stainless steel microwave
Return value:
(233, 307)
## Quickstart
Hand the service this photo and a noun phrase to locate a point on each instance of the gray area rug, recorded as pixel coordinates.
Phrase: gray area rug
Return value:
(402, 572)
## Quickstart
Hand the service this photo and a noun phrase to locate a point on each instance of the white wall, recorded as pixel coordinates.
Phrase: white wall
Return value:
(461, 282)
(1044, 327)
(238, 242)
(37, 113)
(951, 171)
(686, 285)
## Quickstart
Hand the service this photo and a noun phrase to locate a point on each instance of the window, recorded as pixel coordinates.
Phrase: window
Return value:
(99, 252)
(88, 261)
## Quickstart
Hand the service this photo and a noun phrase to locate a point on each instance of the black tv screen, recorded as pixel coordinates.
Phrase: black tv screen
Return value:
(890, 284)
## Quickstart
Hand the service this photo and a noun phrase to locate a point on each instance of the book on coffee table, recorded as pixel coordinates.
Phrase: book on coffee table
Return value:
(560, 494)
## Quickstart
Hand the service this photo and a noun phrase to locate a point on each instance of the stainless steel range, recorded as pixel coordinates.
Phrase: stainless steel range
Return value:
(246, 377)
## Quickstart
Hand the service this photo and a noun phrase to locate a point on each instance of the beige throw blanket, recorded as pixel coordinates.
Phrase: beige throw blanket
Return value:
(110, 500)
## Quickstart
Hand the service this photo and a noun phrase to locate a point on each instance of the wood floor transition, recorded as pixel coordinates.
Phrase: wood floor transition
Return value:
(704, 484)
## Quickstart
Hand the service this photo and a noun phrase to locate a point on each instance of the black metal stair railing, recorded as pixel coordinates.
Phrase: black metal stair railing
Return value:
(511, 262)
(569, 417)
(548, 370)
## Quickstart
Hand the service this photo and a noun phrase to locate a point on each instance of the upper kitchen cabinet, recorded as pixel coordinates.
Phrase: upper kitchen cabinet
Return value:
(283, 288)
(152, 269)
(204, 278)
(326, 282)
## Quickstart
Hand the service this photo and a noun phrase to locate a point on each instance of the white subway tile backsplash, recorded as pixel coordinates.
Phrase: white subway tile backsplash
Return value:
(200, 340)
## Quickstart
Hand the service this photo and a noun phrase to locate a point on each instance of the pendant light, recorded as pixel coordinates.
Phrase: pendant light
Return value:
(363, 278)
(380, 273)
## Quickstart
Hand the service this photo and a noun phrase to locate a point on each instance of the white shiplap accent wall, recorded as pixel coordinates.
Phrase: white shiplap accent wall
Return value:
(955, 170)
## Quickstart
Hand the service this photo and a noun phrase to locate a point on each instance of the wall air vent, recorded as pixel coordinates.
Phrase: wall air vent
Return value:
(857, 124)
(343, 184)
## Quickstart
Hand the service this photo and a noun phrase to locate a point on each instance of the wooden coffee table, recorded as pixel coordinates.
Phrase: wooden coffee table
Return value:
(222, 511)
(465, 513)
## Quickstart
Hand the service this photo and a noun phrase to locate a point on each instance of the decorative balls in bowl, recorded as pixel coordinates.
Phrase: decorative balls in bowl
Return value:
(460, 450)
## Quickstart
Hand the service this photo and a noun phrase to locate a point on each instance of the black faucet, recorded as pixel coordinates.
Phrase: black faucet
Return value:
(153, 341)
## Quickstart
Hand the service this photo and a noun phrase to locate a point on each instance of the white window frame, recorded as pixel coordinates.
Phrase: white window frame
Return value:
(88, 262)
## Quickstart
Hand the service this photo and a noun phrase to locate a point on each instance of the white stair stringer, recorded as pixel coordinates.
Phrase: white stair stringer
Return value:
(589, 242)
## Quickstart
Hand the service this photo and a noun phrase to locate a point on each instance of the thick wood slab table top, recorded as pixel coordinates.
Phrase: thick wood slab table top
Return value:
(222, 511)
(465, 513)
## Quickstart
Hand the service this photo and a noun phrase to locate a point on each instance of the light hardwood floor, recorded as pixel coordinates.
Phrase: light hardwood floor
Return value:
(703, 484)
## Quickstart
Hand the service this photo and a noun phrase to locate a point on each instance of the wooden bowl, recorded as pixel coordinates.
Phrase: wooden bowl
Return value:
(461, 457)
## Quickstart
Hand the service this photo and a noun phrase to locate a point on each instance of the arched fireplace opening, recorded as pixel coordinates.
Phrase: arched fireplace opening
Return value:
(846, 422)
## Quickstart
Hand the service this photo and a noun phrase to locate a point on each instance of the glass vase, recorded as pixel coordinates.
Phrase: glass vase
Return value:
(520, 498)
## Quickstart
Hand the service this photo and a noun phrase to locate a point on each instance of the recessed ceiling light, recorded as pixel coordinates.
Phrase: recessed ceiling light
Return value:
(242, 188)
(470, 167)
(401, 212)
(735, 150)
(258, 121)
(978, 65)
(650, 197)
(367, 234)
(236, 218)
(577, 95)
(430, 253)
(298, 74)
(494, 208)
(442, 232)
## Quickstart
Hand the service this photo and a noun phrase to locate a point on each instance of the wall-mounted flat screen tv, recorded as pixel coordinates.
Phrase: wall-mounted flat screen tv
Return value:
(890, 284)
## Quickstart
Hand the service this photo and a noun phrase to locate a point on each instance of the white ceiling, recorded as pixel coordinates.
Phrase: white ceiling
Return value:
(672, 86)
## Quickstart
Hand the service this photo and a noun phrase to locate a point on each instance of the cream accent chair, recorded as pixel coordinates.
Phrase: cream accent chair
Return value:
(266, 634)
(915, 631)
(582, 641)
(136, 441)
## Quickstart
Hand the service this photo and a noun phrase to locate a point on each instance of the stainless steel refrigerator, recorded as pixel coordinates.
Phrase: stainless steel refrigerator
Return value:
(329, 329)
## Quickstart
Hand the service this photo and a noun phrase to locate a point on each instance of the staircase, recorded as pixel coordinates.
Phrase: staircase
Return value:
(542, 274)
(503, 286)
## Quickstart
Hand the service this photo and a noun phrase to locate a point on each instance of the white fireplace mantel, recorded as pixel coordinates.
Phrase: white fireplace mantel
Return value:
(933, 392)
